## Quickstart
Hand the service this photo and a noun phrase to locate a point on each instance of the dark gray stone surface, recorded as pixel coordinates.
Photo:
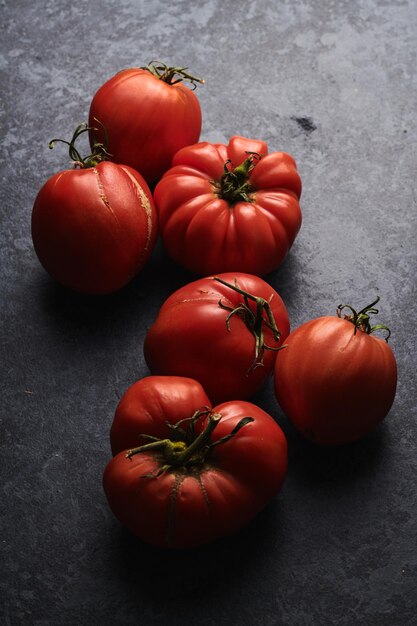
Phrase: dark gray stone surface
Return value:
(333, 83)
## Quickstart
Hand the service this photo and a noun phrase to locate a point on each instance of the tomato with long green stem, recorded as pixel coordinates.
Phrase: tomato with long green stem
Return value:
(184, 472)
(223, 330)
(94, 226)
(336, 380)
(149, 114)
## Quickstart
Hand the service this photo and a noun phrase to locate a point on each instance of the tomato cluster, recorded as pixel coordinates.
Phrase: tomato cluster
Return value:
(185, 472)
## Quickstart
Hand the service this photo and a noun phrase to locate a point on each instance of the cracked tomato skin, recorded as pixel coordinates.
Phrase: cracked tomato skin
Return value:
(146, 119)
(94, 228)
(208, 234)
(189, 506)
(335, 385)
(190, 338)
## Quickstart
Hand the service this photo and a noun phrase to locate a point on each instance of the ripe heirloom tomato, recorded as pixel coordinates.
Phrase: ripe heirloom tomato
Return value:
(148, 114)
(223, 331)
(229, 208)
(185, 473)
(95, 227)
(335, 380)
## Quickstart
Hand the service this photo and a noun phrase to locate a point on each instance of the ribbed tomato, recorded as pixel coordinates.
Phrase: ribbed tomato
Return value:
(185, 473)
(229, 208)
(94, 228)
(335, 380)
(223, 331)
(148, 114)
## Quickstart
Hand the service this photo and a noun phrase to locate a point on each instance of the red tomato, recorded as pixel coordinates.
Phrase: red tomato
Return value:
(148, 114)
(214, 333)
(185, 473)
(229, 208)
(94, 228)
(335, 381)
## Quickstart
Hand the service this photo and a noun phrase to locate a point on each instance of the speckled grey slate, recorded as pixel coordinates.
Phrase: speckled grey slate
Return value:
(333, 83)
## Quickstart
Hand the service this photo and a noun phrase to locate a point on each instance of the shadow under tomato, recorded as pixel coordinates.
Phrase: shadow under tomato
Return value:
(197, 573)
(288, 280)
(138, 301)
(336, 466)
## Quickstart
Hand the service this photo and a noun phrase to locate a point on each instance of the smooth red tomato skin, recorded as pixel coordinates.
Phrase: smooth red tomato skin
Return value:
(147, 120)
(184, 508)
(189, 337)
(93, 229)
(207, 234)
(335, 385)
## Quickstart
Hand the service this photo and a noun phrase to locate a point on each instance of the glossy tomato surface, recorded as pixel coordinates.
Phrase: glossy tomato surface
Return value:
(94, 228)
(146, 119)
(195, 334)
(335, 385)
(208, 226)
(214, 493)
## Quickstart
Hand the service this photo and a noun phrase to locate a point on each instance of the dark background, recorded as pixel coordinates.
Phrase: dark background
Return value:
(333, 83)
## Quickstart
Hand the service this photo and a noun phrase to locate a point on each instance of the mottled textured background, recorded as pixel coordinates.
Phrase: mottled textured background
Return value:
(334, 83)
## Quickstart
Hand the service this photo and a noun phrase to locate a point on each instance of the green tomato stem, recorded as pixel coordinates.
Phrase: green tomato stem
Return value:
(254, 322)
(99, 151)
(194, 449)
(171, 74)
(361, 319)
(234, 186)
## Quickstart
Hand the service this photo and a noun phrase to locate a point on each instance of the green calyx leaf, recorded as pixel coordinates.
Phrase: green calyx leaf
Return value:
(362, 319)
(234, 186)
(99, 151)
(186, 448)
(254, 321)
(171, 74)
